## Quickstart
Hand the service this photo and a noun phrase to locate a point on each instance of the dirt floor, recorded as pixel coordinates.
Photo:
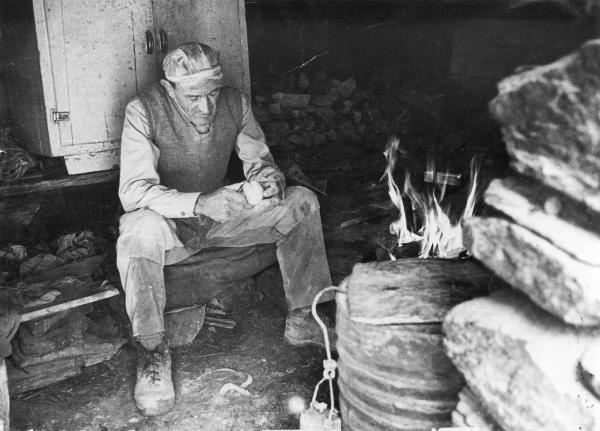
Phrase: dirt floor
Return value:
(101, 398)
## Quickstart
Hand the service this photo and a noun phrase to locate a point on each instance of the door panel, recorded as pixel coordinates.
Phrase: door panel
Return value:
(218, 23)
(99, 61)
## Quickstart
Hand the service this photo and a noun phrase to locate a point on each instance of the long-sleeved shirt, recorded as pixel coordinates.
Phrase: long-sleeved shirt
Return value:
(139, 183)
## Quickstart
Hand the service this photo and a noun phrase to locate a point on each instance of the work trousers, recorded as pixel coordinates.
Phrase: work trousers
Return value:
(148, 241)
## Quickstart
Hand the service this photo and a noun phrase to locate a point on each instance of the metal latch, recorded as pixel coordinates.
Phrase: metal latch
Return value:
(61, 116)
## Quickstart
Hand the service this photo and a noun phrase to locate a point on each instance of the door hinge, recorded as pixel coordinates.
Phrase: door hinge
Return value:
(61, 116)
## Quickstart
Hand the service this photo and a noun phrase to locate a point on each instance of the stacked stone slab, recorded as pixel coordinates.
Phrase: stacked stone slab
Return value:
(469, 413)
(520, 350)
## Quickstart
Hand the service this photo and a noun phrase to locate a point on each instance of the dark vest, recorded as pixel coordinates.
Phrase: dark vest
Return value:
(190, 161)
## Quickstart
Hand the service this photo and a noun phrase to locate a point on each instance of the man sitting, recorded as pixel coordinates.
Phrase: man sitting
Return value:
(177, 140)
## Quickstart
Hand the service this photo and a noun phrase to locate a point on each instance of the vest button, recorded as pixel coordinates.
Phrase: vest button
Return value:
(183, 213)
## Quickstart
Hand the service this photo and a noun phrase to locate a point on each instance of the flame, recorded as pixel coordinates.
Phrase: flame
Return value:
(473, 196)
(400, 226)
(439, 235)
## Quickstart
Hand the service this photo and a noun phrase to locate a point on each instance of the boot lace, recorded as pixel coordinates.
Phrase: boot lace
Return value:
(151, 365)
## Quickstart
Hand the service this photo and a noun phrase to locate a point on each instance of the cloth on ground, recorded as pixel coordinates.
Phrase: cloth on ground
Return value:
(9, 323)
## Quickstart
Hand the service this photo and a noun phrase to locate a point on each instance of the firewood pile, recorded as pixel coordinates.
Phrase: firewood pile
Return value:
(319, 111)
(52, 285)
(529, 354)
(309, 117)
(54, 348)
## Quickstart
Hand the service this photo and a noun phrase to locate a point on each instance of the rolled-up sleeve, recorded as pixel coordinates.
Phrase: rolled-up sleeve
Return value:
(139, 181)
(251, 144)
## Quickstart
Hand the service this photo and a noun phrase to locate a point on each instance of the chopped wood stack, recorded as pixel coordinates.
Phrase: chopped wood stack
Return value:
(522, 350)
(328, 110)
(56, 347)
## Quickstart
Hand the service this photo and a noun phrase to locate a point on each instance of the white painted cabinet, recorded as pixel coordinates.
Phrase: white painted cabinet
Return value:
(71, 66)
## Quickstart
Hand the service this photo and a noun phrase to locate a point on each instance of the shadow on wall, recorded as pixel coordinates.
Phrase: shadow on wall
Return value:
(4, 115)
(473, 44)
(354, 39)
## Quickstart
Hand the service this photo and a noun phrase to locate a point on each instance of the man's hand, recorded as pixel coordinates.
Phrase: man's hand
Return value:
(272, 182)
(222, 204)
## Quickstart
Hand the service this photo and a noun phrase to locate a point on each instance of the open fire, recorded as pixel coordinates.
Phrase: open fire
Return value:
(439, 234)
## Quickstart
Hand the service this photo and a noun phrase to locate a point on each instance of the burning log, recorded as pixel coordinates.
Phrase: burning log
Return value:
(412, 290)
(552, 278)
(521, 362)
(394, 374)
(567, 224)
(550, 122)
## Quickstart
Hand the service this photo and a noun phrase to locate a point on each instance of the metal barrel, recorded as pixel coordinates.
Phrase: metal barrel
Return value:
(393, 377)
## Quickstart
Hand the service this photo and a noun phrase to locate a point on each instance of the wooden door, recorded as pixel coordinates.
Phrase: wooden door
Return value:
(218, 23)
(96, 52)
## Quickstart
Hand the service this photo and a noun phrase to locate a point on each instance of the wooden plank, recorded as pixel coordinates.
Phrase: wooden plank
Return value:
(92, 161)
(105, 42)
(31, 315)
(41, 375)
(93, 349)
(51, 21)
(11, 189)
(243, 31)
(412, 290)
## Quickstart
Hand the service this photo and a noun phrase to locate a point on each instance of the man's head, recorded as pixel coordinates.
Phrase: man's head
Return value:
(194, 70)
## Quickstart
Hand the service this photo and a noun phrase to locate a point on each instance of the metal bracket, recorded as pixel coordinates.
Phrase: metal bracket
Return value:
(58, 116)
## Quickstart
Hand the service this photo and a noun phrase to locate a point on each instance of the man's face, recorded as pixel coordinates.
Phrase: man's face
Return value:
(199, 105)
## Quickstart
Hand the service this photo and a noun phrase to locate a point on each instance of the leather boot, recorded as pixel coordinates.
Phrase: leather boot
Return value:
(301, 329)
(154, 393)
